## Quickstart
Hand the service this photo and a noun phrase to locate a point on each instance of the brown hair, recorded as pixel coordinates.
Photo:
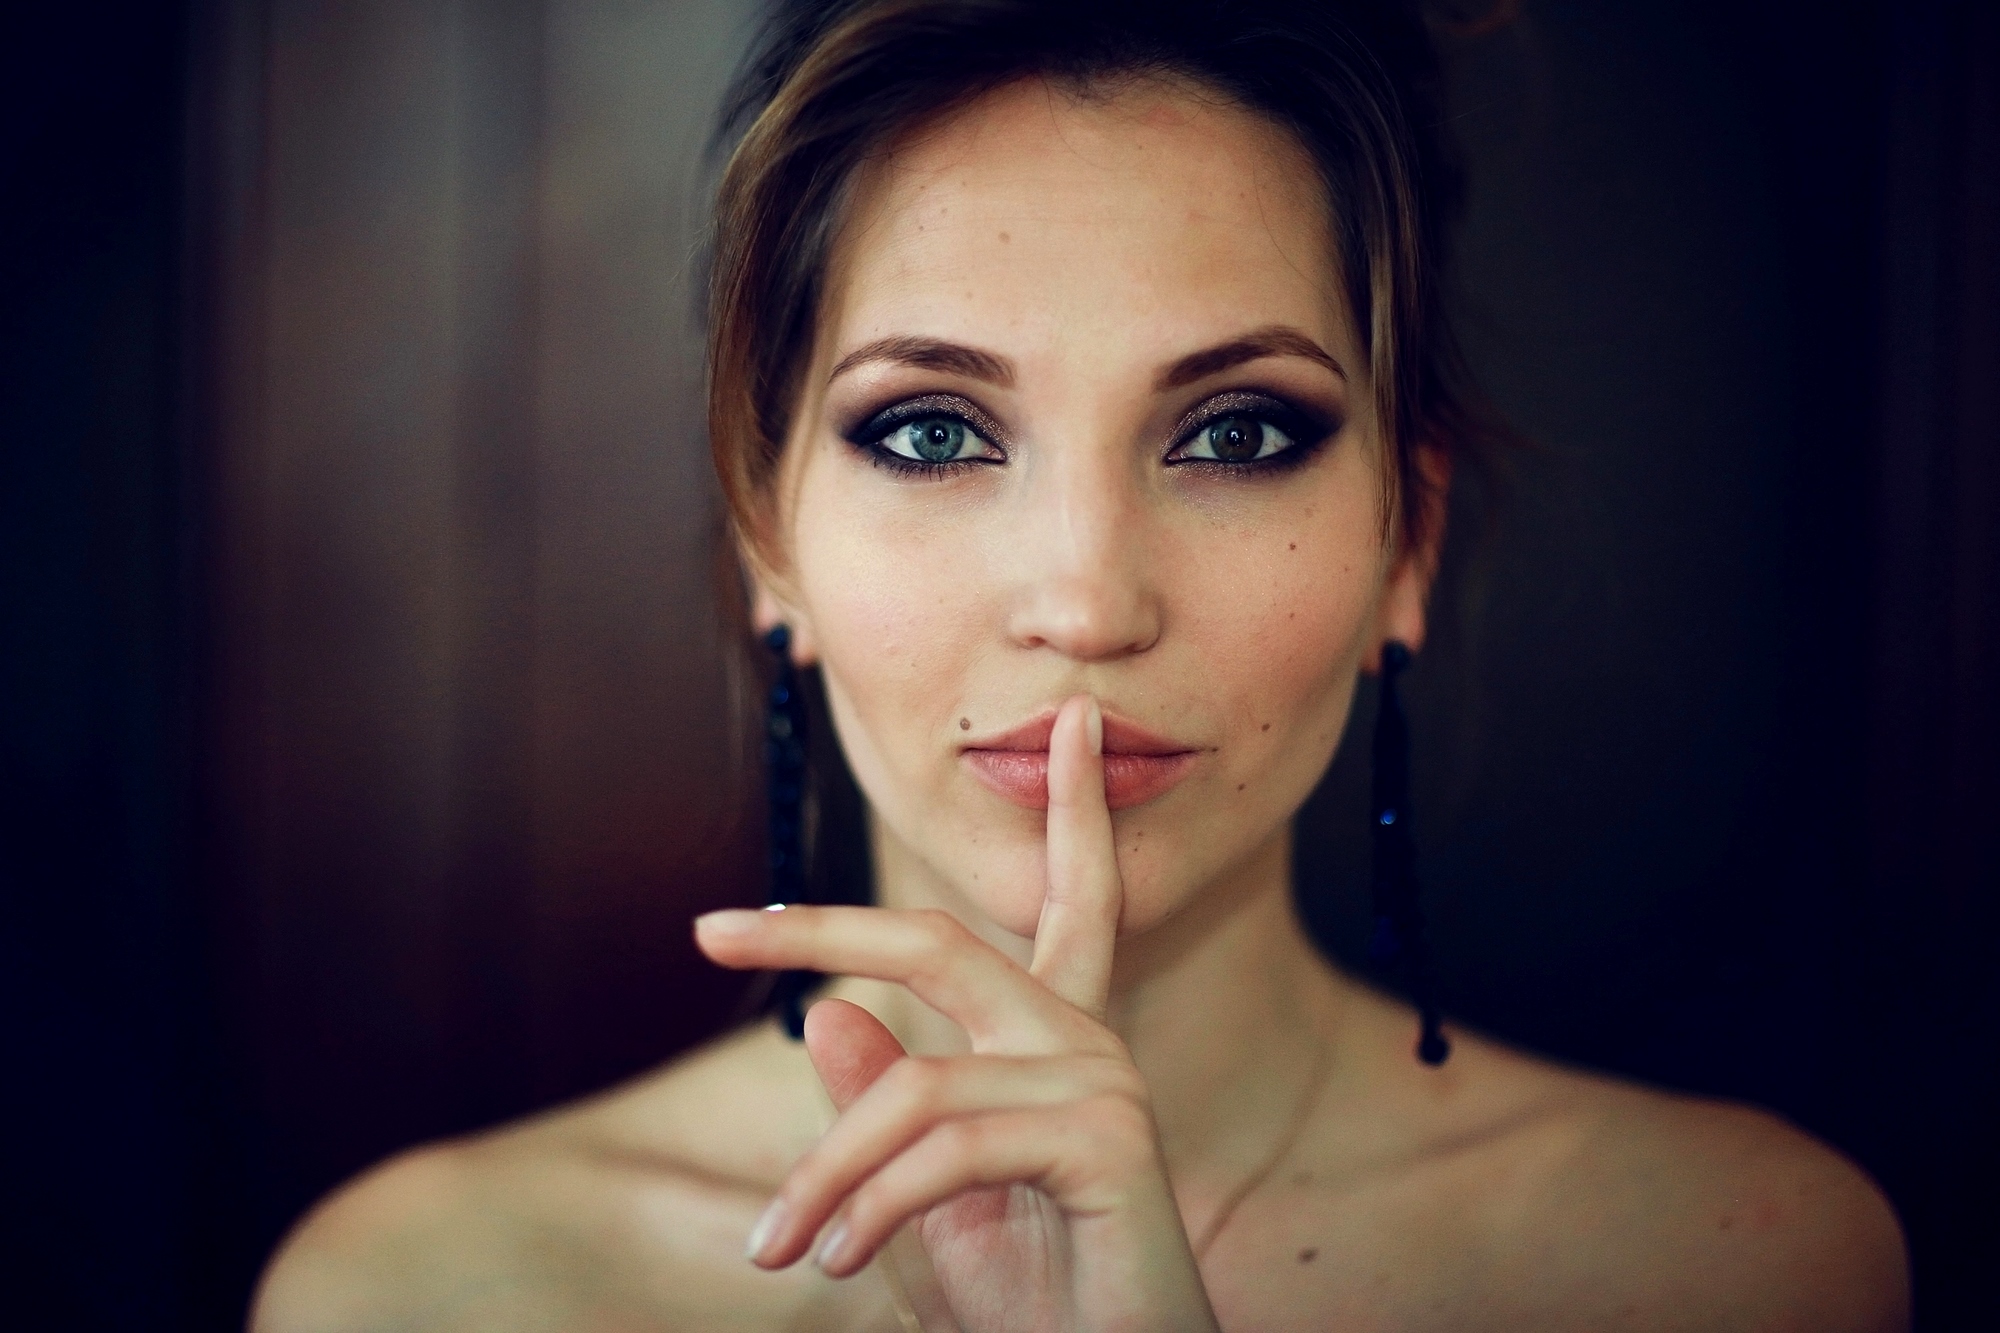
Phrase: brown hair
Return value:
(832, 81)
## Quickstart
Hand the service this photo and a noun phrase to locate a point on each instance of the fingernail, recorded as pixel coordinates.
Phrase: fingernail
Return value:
(1093, 725)
(767, 1226)
(731, 921)
(834, 1249)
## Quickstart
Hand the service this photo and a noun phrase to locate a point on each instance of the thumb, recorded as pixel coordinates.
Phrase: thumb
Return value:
(849, 1047)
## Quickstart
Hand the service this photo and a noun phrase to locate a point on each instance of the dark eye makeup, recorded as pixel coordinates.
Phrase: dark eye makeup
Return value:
(942, 419)
(1240, 433)
(1237, 428)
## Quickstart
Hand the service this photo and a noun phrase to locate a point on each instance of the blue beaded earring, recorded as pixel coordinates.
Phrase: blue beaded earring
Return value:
(785, 771)
(1399, 914)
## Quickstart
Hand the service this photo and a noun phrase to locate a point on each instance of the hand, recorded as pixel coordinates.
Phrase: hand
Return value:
(1032, 1167)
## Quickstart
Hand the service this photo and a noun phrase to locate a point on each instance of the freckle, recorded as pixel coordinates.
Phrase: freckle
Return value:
(1267, 726)
(1293, 547)
(1003, 238)
(965, 724)
(1728, 1221)
(1307, 1256)
(1241, 785)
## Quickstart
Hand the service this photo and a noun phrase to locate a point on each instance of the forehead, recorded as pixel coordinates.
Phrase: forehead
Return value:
(1033, 211)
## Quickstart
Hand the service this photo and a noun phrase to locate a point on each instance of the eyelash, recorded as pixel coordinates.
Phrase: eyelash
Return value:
(878, 426)
(1307, 431)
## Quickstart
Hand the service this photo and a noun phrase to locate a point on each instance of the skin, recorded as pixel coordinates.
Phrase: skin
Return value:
(1069, 1038)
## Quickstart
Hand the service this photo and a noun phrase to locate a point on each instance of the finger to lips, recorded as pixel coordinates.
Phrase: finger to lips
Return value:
(1078, 930)
(1000, 1006)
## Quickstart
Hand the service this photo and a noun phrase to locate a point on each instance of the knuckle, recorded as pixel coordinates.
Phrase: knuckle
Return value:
(875, 1207)
(1121, 1078)
(938, 929)
(1116, 1123)
(958, 1141)
(916, 1084)
(1086, 1036)
(939, 941)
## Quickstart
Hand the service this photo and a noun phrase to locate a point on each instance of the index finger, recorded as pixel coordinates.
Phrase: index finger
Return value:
(931, 952)
(1079, 923)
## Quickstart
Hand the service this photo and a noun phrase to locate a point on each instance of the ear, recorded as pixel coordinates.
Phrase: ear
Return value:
(1401, 613)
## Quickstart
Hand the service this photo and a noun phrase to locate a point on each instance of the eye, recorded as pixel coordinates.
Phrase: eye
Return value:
(934, 439)
(932, 436)
(1238, 438)
(1243, 437)
(1248, 431)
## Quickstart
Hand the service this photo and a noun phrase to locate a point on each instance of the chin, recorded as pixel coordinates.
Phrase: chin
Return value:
(1004, 879)
(1005, 883)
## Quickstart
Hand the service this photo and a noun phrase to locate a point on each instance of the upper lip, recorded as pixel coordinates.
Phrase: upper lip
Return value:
(1120, 737)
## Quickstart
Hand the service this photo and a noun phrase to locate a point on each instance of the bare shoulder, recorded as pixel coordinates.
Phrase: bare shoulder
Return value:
(627, 1208)
(1507, 1191)
(1700, 1213)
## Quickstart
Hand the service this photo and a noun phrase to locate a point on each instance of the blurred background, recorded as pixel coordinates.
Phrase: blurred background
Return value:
(366, 734)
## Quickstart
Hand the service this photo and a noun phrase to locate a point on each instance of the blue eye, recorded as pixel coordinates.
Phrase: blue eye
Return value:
(930, 440)
(934, 436)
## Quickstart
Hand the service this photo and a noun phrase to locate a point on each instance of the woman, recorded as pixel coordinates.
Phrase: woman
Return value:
(1084, 408)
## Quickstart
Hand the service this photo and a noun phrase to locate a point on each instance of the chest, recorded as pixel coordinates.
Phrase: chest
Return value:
(1403, 1255)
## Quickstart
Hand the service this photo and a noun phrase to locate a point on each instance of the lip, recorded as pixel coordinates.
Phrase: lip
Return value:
(1139, 765)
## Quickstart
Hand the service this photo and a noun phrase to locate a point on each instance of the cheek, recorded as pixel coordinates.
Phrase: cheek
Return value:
(892, 609)
(1283, 626)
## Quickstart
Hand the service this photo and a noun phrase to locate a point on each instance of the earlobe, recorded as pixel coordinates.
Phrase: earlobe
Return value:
(767, 612)
(1401, 614)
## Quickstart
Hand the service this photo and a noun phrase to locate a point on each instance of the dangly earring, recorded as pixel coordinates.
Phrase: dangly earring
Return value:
(1399, 915)
(785, 771)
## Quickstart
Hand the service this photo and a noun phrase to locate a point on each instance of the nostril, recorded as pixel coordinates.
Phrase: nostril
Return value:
(1088, 623)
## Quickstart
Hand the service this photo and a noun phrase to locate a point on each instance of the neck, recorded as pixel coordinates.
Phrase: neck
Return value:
(1227, 1008)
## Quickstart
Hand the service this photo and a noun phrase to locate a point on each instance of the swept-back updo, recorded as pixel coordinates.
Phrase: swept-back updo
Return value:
(833, 81)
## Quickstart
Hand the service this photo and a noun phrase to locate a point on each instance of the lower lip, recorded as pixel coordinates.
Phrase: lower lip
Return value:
(1022, 776)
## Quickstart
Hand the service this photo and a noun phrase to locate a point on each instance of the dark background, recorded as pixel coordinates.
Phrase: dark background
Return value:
(364, 700)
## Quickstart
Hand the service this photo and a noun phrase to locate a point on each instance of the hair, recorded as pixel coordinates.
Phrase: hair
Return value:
(832, 82)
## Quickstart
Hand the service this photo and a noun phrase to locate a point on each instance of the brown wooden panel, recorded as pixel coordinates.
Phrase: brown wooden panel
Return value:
(475, 751)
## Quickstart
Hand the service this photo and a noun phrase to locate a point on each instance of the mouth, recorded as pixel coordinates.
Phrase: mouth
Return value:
(1139, 765)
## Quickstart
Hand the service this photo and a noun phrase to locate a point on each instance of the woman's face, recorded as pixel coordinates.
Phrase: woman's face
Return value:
(1087, 412)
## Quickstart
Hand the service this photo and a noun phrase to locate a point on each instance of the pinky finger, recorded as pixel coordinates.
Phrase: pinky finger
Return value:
(1072, 1152)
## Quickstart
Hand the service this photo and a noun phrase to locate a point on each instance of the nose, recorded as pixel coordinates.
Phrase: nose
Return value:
(1084, 587)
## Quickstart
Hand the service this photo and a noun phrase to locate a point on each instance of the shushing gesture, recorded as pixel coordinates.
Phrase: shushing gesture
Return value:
(1032, 1167)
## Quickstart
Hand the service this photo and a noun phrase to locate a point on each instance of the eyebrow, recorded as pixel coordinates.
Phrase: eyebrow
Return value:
(930, 354)
(973, 363)
(1277, 340)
